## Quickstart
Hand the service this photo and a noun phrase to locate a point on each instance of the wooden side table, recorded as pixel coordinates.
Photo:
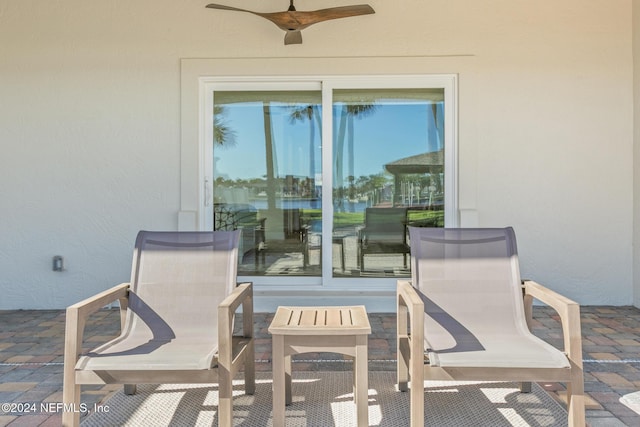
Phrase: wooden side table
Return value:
(298, 330)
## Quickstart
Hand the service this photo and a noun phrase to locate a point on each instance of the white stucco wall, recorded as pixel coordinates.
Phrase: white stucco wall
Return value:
(636, 156)
(90, 126)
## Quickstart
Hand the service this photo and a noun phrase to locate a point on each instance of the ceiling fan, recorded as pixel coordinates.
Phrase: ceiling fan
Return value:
(293, 21)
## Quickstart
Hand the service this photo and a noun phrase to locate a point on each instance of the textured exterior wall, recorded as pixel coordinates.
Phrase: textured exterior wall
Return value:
(90, 126)
(636, 156)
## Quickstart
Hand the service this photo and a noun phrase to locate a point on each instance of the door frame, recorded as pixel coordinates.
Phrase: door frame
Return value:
(198, 72)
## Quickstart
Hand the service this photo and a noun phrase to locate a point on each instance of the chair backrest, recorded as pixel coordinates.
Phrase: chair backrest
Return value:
(178, 280)
(385, 219)
(467, 277)
(385, 224)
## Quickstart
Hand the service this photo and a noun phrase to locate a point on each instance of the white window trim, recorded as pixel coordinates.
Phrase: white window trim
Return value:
(196, 72)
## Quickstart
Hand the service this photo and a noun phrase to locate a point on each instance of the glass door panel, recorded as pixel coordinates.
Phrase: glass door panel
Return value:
(388, 173)
(267, 172)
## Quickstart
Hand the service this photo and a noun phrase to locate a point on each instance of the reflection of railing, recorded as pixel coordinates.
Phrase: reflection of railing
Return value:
(236, 216)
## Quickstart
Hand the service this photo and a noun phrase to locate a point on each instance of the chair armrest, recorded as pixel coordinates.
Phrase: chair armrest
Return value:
(569, 312)
(410, 304)
(96, 302)
(242, 294)
(410, 338)
(76, 317)
(236, 297)
(408, 297)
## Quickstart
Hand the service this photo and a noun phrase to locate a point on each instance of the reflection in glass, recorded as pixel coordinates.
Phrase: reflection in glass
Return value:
(388, 173)
(267, 178)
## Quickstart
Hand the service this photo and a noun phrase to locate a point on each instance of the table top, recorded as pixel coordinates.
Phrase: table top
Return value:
(346, 320)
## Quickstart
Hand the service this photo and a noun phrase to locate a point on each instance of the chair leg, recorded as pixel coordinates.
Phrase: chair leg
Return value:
(416, 363)
(403, 359)
(130, 389)
(403, 373)
(575, 400)
(402, 344)
(417, 396)
(525, 387)
(74, 327)
(250, 370)
(71, 400)
(225, 398)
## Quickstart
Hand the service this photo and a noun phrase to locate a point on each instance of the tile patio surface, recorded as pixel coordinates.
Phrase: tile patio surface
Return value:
(31, 356)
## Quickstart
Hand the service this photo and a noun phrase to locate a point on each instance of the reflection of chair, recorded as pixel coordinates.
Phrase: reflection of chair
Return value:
(314, 240)
(384, 232)
(295, 230)
(293, 226)
(177, 321)
(242, 217)
(465, 313)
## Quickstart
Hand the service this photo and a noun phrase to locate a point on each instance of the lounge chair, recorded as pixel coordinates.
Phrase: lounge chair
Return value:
(177, 321)
(463, 317)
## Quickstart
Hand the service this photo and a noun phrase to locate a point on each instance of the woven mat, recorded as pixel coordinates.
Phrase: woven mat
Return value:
(632, 401)
(323, 399)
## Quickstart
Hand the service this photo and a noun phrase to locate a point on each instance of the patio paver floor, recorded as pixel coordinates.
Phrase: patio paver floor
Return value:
(31, 359)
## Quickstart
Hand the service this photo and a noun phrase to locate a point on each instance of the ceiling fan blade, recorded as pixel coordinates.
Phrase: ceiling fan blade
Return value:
(315, 16)
(223, 7)
(293, 37)
(281, 19)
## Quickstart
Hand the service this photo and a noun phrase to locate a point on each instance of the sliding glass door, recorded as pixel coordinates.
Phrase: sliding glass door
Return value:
(324, 176)
(388, 172)
(267, 175)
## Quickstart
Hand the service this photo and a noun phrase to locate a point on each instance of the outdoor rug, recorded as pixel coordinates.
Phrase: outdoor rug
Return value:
(325, 399)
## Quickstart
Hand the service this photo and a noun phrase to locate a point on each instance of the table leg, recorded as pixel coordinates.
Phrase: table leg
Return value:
(278, 364)
(287, 380)
(361, 391)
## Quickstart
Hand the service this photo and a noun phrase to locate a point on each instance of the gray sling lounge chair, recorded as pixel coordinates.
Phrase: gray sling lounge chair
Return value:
(463, 317)
(177, 321)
